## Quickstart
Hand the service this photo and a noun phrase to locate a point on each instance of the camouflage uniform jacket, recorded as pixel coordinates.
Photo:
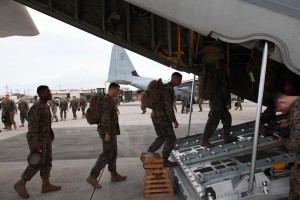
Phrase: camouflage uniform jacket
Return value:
(109, 117)
(63, 104)
(39, 123)
(165, 107)
(74, 104)
(53, 104)
(221, 97)
(11, 106)
(293, 143)
(23, 107)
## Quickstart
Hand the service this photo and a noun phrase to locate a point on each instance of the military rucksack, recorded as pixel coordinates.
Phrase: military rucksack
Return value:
(207, 86)
(150, 98)
(93, 113)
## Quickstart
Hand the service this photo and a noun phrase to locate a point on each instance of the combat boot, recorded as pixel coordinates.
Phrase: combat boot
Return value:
(61, 119)
(168, 163)
(22, 125)
(117, 177)
(15, 126)
(21, 189)
(48, 187)
(229, 138)
(206, 143)
(8, 128)
(93, 182)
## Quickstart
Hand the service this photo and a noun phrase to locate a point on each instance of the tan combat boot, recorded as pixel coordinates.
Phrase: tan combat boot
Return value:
(229, 138)
(206, 143)
(22, 125)
(48, 187)
(168, 163)
(117, 177)
(21, 189)
(93, 181)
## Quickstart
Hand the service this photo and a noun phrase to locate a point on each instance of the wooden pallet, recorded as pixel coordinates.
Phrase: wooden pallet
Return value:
(151, 160)
(157, 182)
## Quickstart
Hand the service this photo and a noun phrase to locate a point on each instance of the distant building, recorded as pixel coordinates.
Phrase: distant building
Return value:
(69, 93)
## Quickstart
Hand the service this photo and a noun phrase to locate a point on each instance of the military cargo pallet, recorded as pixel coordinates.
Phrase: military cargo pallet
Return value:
(151, 160)
(157, 182)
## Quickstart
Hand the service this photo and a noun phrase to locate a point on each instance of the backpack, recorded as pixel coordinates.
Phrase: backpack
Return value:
(207, 85)
(151, 97)
(93, 113)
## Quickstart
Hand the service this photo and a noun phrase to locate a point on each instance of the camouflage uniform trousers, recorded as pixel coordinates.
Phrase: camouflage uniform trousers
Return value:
(63, 111)
(23, 116)
(166, 135)
(295, 183)
(214, 116)
(54, 115)
(83, 110)
(45, 165)
(6, 122)
(108, 156)
(11, 119)
(74, 110)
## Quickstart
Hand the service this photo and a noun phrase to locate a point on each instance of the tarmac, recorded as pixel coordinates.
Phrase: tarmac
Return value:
(77, 146)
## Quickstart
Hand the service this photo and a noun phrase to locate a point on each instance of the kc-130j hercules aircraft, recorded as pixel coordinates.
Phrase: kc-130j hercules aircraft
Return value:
(122, 71)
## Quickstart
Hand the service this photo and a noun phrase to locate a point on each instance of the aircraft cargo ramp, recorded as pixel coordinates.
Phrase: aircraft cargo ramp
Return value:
(222, 172)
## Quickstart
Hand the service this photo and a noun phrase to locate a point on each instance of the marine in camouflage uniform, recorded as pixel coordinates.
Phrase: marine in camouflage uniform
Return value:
(162, 119)
(219, 103)
(39, 138)
(4, 114)
(184, 102)
(53, 106)
(11, 111)
(74, 105)
(23, 107)
(82, 104)
(63, 106)
(291, 104)
(108, 131)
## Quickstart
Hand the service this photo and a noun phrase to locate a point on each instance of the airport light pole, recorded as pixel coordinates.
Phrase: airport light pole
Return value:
(258, 112)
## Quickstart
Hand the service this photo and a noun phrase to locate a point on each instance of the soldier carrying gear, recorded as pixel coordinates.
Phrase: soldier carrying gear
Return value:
(163, 117)
(39, 139)
(108, 131)
(219, 103)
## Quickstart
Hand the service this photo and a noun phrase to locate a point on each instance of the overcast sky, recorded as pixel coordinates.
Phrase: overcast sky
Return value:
(62, 57)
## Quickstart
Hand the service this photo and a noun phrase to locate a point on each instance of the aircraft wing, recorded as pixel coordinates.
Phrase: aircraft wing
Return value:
(15, 20)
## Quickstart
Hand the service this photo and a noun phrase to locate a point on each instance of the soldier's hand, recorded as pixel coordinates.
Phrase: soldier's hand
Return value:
(175, 124)
(228, 106)
(278, 138)
(107, 137)
(37, 145)
(283, 123)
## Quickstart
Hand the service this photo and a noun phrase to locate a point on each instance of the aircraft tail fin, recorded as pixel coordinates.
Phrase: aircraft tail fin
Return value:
(121, 69)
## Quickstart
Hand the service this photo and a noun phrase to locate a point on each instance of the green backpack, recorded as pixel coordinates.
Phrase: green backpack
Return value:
(150, 98)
